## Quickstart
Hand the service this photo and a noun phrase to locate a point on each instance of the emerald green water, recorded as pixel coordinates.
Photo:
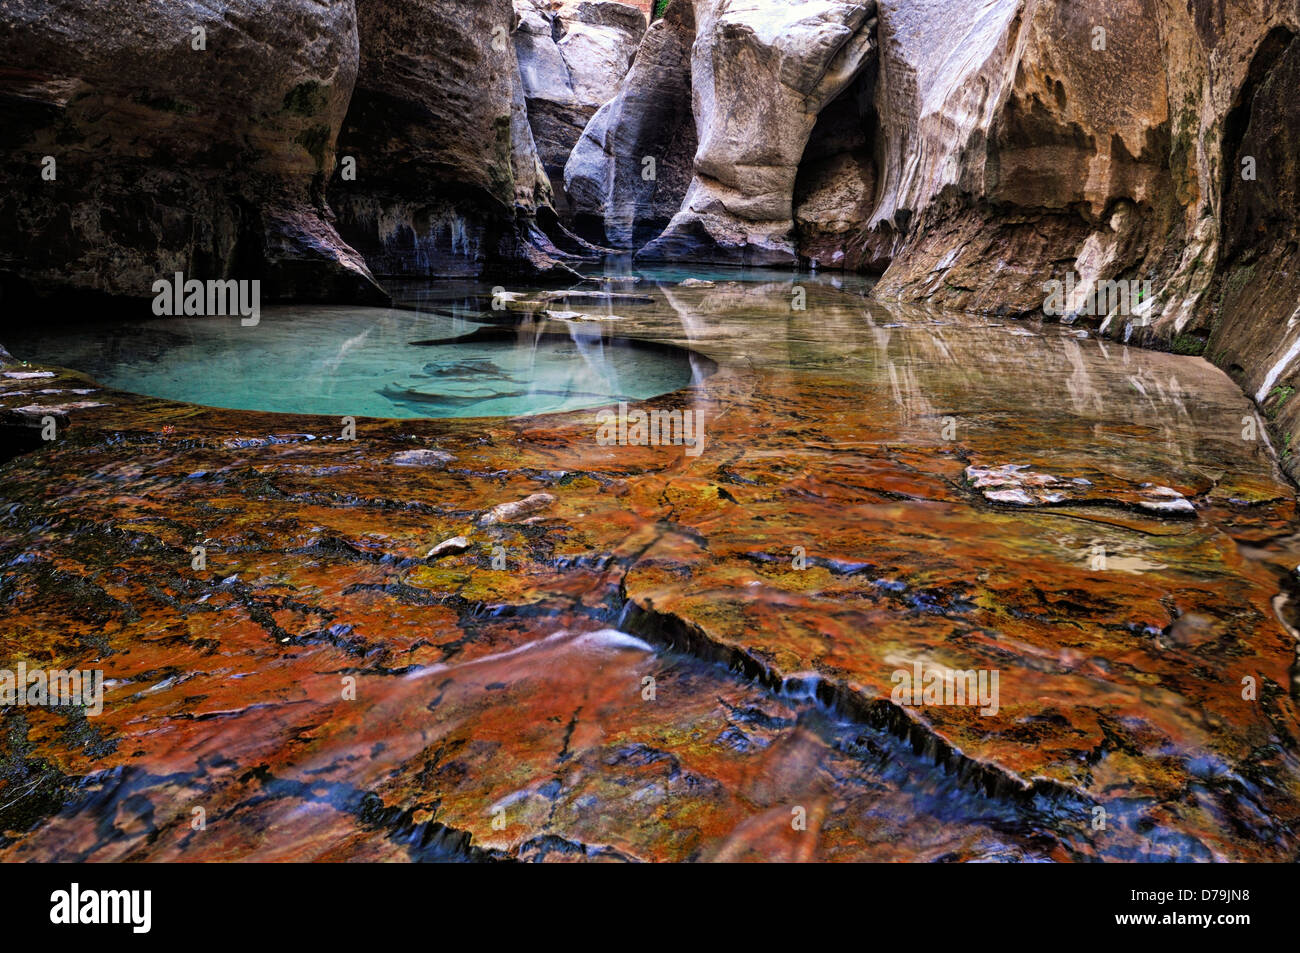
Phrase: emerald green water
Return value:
(374, 362)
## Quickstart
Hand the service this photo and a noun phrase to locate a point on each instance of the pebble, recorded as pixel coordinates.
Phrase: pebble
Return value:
(508, 512)
(457, 544)
(421, 458)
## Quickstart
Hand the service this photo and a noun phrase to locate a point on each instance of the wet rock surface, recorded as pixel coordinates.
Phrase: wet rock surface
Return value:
(682, 655)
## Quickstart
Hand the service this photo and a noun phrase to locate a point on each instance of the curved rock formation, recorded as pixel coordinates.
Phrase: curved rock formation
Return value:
(447, 177)
(571, 61)
(148, 138)
(1249, 312)
(614, 193)
(1011, 153)
(1146, 145)
(761, 74)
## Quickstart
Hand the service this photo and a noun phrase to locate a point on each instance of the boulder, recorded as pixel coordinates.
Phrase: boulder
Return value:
(154, 137)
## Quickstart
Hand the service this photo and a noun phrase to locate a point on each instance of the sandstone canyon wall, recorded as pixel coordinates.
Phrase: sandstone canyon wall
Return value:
(1148, 141)
(761, 74)
(448, 181)
(571, 60)
(1236, 294)
(978, 153)
(628, 173)
(147, 138)
(972, 153)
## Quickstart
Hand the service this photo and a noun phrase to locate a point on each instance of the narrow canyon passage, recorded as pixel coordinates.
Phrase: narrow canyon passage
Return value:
(652, 431)
(667, 652)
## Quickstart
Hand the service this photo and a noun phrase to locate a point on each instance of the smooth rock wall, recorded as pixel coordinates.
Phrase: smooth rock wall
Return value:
(571, 62)
(761, 73)
(448, 178)
(210, 162)
(611, 196)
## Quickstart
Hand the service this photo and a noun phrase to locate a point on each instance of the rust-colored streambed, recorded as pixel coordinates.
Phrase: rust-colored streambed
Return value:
(664, 654)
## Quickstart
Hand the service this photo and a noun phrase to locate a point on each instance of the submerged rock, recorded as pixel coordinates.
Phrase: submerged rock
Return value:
(457, 544)
(509, 512)
(580, 316)
(1019, 485)
(422, 458)
(542, 300)
(56, 410)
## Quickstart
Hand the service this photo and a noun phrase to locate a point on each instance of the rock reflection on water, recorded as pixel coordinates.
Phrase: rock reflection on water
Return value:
(651, 676)
(345, 361)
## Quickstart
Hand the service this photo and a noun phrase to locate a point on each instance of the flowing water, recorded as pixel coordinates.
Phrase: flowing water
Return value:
(671, 652)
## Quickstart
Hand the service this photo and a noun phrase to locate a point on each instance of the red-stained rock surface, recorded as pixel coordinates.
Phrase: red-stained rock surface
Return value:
(507, 713)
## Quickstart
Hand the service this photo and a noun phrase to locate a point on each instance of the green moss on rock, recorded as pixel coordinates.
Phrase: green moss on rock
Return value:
(306, 99)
